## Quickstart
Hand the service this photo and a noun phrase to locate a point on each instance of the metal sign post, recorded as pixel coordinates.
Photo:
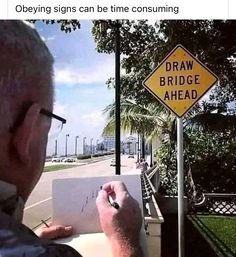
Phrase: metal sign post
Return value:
(180, 161)
(179, 82)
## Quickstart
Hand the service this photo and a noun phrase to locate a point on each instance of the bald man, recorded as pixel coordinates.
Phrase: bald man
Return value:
(26, 103)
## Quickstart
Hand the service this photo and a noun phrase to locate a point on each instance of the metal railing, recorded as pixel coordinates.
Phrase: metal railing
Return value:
(216, 203)
(149, 184)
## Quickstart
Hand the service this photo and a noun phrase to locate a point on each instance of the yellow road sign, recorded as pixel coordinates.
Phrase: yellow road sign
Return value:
(180, 80)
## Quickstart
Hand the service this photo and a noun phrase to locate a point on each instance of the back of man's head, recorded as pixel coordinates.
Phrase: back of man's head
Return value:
(25, 71)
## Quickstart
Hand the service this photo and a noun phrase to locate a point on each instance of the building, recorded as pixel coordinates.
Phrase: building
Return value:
(109, 143)
(130, 145)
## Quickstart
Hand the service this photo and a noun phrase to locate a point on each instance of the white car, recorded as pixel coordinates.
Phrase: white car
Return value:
(56, 159)
(69, 160)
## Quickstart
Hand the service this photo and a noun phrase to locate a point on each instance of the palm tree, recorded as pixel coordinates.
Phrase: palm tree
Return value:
(155, 121)
(152, 120)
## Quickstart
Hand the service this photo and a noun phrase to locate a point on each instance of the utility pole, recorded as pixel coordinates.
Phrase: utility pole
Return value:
(76, 138)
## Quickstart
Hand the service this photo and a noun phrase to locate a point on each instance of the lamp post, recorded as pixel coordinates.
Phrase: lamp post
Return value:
(129, 143)
(91, 145)
(76, 138)
(97, 145)
(84, 138)
(55, 154)
(143, 147)
(123, 149)
(104, 25)
(106, 146)
(138, 153)
(151, 164)
(67, 135)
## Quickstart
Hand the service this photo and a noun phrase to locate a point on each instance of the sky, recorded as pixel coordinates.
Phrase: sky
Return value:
(80, 73)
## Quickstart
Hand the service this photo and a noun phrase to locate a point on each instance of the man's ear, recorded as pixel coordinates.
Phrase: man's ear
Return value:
(24, 134)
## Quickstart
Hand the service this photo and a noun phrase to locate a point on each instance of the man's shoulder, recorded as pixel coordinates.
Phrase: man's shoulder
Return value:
(59, 250)
(36, 248)
(28, 244)
(18, 240)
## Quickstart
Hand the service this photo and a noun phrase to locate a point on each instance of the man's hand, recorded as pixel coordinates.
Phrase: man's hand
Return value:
(122, 225)
(54, 231)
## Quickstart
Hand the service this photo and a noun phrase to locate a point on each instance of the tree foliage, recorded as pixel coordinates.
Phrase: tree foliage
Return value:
(209, 143)
(66, 26)
(211, 158)
(144, 45)
(213, 161)
(151, 120)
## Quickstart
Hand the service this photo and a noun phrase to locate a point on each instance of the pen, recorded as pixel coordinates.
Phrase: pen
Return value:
(113, 202)
(45, 223)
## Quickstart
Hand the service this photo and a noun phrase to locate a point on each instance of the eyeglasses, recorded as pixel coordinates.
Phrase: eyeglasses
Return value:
(52, 115)
(56, 125)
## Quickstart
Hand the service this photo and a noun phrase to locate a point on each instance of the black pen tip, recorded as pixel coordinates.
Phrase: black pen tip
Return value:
(115, 205)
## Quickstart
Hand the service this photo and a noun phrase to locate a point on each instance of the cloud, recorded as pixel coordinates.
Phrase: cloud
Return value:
(60, 109)
(51, 38)
(93, 119)
(69, 112)
(74, 117)
(94, 74)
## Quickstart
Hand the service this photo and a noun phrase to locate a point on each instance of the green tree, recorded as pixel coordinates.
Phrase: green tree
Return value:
(66, 26)
(209, 143)
(144, 45)
(151, 120)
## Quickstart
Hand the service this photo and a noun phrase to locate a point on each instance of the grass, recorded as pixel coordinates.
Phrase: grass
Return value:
(205, 236)
(58, 167)
(220, 231)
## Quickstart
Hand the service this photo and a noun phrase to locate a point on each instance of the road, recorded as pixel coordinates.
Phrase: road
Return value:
(39, 204)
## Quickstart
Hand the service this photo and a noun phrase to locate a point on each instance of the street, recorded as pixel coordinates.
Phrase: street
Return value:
(39, 205)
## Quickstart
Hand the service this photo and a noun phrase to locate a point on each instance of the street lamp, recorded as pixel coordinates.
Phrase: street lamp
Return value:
(151, 154)
(91, 145)
(104, 25)
(129, 143)
(55, 154)
(138, 152)
(84, 138)
(67, 135)
(106, 146)
(143, 147)
(97, 145)
(123, 147)
(76, 138)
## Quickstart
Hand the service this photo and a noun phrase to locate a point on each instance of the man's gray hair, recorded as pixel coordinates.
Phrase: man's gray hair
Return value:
(25, 70)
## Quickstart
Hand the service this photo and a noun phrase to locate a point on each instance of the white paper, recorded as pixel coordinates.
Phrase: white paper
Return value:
(89, 245)
(74, 200)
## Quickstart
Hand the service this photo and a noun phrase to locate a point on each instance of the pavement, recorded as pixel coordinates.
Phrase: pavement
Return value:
(39, 205)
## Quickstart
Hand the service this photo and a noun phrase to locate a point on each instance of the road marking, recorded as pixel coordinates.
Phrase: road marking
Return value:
(35, 204)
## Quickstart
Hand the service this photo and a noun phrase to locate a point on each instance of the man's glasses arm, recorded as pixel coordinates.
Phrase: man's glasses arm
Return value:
(52, 115)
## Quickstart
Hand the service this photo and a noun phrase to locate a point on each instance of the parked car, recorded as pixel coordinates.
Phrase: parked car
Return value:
(69, 160)
(131, 156)
(56, 159)
(113, 162)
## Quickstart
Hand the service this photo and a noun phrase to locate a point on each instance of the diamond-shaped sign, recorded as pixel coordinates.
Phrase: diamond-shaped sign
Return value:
(180, 80)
